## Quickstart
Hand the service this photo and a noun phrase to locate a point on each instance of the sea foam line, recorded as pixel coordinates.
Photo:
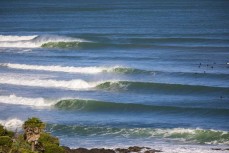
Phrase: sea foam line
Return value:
(57, 68)
(72, 84)
(34, 41)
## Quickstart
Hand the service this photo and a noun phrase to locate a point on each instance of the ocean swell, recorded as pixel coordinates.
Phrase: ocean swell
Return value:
(104, 106)
(151, 87)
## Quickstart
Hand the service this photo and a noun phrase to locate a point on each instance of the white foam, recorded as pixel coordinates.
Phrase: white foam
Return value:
(57, 68)
(33, 41)
(49, 83)
(15, 38)
(175, 148)
(12, 124)
(13, 99)
(169, 132)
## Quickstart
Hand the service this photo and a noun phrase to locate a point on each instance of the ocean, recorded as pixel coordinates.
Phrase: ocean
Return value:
(118, 73)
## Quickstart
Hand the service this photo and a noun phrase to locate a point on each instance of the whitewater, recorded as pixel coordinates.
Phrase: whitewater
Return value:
(33, 41)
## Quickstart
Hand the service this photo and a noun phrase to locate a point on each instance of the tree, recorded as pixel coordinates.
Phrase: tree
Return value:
(33, 128)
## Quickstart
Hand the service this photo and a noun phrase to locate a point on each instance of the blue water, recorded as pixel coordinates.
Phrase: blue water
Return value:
(118, 73)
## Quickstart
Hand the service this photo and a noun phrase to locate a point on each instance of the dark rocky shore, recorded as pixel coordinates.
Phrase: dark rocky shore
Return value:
(117, 150)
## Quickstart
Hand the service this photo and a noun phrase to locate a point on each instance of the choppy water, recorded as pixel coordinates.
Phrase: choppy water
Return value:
(118, 73)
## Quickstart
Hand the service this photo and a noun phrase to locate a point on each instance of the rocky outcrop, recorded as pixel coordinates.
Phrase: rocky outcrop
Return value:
(117, 150)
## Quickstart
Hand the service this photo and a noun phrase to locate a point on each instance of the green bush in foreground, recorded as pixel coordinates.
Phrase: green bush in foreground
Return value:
(20, 144)
(4, 132)
(52, 148)
(6, 141)
(47, 138)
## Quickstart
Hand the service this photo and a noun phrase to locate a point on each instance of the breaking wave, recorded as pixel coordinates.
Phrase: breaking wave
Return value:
(200, 136)
(35, 41)
(72, 69)
(13, 99)
(12, 124)
(49, 83)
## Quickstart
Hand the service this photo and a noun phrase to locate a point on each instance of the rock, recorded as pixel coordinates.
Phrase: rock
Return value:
(121, 150)
(102, 150)
(152, 151)
(117, 150)
(67, 149)
(216, 149)
(78, 150)
(135, 149)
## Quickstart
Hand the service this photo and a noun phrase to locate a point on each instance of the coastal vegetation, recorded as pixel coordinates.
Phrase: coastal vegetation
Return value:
(33, 140)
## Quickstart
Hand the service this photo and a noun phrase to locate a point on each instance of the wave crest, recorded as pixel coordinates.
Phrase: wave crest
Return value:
(35, 41)
(49, 83)
(72, 69)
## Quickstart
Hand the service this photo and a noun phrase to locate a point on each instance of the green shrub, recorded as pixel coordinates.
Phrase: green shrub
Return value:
(53, 148)
(22, 150)
(47, 138)
(4, 132)
(34, 122)
(6, 141)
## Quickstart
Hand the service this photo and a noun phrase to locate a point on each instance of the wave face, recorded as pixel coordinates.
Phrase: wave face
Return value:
(71, 85)
(35, 41)
(200, 136)
(71, 69)
(103, 106)
(159, 87)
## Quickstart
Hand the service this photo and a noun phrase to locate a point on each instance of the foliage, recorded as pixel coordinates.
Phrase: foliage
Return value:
(4, 132)
(51, 148)
(22, 150)
(18, 144)
(34, 122)
(5, 141)
(47, 138)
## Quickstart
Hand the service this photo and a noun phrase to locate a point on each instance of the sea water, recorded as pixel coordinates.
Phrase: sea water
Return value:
(118, 73)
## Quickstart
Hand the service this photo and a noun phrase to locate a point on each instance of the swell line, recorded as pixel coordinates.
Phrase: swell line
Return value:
(104, 106)
(159, 87)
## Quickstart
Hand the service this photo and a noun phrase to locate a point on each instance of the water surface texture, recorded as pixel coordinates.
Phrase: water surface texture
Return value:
(116, 73)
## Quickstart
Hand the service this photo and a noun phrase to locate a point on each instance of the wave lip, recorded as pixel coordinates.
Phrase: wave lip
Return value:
(34, 41)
